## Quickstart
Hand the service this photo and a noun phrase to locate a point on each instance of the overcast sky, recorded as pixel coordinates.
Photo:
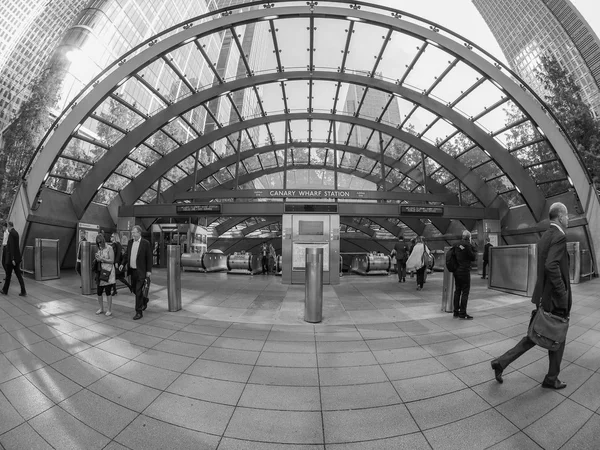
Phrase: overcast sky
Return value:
(462, 17)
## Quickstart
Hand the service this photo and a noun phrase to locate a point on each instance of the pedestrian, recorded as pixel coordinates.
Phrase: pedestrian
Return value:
(418, 261)
(400, 252)
(106, 258)
(264, 252)
(552, 292)
(82, 239)
(4, 243)
(465, 255)
(411, 246)
(118, 252)
(13, 260)
(486, 256)
(139, 267)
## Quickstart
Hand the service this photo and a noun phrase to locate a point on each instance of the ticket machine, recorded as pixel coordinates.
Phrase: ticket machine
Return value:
(306, 230)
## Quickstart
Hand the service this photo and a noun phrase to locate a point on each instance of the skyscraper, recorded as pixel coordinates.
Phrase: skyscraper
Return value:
(30, 30)
(528, 29)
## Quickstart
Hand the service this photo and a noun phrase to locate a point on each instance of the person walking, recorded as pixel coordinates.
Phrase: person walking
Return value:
(552, 291)
(4, 244)
(118, 252)
(139, 267)
(417, 261)
(82, 239)
(264, 252)
(106, 258)
(13, 260)
(486, 256)
(400, 252)
(465, 255)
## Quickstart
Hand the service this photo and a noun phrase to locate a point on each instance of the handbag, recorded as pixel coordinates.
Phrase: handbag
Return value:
(146, 287)
(105, 275)
(548, 330)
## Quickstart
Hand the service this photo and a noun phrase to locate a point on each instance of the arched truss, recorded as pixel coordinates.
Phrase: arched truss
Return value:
(96, 172)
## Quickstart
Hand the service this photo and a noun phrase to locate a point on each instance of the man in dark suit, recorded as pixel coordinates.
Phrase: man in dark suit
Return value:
(552, 291)
(139, 267)
(486, 256)
(13, 260)
(465, 255)
(401, 253)
(119, 257)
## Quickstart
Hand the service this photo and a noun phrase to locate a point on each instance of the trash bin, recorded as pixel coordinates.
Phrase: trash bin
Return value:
(173, 277)
(313, 302)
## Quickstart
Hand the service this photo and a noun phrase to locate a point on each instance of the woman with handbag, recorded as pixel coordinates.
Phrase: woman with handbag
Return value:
(106, 275)
(418, 261)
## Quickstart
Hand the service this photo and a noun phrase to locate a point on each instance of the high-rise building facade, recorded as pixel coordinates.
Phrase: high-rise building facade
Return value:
(528, 29)
(30, 30)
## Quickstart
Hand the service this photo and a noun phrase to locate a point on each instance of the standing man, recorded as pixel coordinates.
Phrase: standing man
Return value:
(486, 256)
(401, 254)
(552, 291)
(465, 255)
(13, 260)
(139, 261)
(264, 252)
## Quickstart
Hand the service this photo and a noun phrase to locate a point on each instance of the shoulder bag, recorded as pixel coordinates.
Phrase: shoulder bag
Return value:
(548, 330)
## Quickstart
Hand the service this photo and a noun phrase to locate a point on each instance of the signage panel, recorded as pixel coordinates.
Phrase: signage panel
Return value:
(416, 210)
(198, 208)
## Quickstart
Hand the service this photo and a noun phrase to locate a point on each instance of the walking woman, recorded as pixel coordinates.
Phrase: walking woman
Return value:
(418, 260)
(106, 273)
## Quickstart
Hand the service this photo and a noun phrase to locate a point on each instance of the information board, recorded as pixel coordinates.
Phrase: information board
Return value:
(299, 255)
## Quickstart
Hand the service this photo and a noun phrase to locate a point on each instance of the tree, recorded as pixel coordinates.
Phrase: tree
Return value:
(563, 96)
(24, 134)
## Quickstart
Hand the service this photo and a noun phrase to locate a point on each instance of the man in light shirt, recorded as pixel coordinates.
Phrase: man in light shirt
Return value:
(139, 267)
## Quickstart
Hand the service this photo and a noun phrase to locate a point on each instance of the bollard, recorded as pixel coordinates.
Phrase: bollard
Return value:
(173, 277)
(313, 302)
(87, 277)
(447, 287)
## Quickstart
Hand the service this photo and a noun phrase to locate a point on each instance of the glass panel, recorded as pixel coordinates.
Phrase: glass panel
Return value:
(148, 196)
(300, 155)
(457, 145)
(412, 158)
(431, 166)
(398, 55)
(473, 157)
(160, 142)
(223, 176)
(130, 169)
(518, 135)
(442, 176)
(439, 132)
(555, 187)
(394, 177)
(174, 175)
(318, 155)
(408, 184)
(453, 186)
(500, 117)
(488, 170)
(366, 164)
(293, 51)
(501, 184)
(61, 184)
(483, 97)
(418, 121)
(83, 150)
(432, 62)
(188, 164)
(330, 40)
(252, 163)
(145, 155)
(547, 172)
(268, 160)
(116, 182)
(396, 149)
(350, 160)
(457, 81)
(365, 45)
(535, 153)
(513, 198)
(70, 168)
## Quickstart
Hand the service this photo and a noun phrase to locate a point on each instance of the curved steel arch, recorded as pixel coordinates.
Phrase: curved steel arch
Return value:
(87, 188)
(144, 181)
(183, 185)
(257, 226)
(558, 141)
(414, 224)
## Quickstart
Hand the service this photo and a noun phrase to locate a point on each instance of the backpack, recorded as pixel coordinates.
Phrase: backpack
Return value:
(451, 260)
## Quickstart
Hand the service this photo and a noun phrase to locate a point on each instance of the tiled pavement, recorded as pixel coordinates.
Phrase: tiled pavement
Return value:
(237, 368)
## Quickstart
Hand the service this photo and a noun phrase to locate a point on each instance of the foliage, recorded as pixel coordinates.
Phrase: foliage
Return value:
(23, 136)
(563, 96)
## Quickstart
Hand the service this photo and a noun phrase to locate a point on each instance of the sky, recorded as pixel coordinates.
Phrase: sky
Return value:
(462, 17)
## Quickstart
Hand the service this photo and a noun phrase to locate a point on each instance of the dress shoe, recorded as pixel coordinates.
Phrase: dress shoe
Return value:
(138, 316)
(466, 317)
(455, 316)
(23, 294)
(556, 385)
(3, 292)
(497, 371)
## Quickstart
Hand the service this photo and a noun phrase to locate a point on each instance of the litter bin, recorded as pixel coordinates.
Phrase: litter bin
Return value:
(173, 277)
(313, 302)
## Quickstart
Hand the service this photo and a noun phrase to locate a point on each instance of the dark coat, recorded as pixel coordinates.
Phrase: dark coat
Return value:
(465, 255)
(486, 252)
(12, 246)
(143, 260)
(401, 250)
(118, 251)
(553, 286)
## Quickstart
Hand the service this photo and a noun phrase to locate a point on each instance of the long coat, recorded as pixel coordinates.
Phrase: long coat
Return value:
(143, 261)
(553, 286)
(13, 251)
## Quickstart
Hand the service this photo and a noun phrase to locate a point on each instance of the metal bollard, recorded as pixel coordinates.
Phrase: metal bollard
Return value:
(86, 268)
(447, 287)
(313, 302)
(173, 277)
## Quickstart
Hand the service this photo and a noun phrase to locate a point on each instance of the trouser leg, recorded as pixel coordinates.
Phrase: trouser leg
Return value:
(485, 263)
(19, 275)
(420, 276)
(554, 360)
(524, 345)
(9, 270)
(466, 288)
(138, 285)
(457, 292)
(399, 267)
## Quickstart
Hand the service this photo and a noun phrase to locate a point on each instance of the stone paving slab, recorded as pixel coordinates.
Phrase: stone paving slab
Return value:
(238, 368)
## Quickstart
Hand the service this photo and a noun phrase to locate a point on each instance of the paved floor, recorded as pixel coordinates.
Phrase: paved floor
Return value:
(237, 368)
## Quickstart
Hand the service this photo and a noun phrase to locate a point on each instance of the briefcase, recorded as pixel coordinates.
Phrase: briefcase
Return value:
(146, 288)
(548, 330)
